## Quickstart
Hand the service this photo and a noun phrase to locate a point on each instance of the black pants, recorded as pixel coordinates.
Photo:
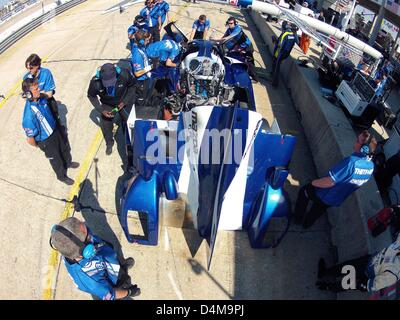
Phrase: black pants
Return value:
(155, 34)
(360, 265)
(142, 93)
(301, 215)
(199, 35)
(249, 58)
(58, 153)
(107, 123)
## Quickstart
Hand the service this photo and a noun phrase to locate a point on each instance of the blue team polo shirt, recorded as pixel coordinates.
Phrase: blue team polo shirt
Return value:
(151, 15)
(163, 8)
(45, 79)
(163, 50)
(37, 120)
(348, 175)
(140, 61)
(201, 27)
(236, 32)
(99, 275)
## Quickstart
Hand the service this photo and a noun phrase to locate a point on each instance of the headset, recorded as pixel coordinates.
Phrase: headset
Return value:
(86, 250)
(27, 94)
(98, 72)
(231, 18)
(364, 149)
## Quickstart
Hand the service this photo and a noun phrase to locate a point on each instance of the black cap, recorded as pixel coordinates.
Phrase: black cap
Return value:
(108, 75)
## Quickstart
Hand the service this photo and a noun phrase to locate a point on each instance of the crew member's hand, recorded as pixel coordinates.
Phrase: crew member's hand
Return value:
(121, 105)
(107, 114)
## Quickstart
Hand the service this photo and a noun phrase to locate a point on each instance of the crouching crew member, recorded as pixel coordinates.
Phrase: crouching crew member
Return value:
(373, 272)
(92, 262)
(42, 131)
(116, 88)
(341, 181)
(168, 53)
(200, 28)
(141, 66)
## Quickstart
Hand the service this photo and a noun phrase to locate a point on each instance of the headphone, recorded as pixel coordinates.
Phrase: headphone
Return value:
(27, 94)
(86, 250)
(141, 42)
(365, 150)
(98, 72)
(230, 19)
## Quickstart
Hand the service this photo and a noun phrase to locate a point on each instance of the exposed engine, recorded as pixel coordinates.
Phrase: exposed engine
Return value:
(202, 79)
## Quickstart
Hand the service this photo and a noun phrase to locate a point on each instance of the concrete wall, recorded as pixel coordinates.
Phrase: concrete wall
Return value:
(330, 137)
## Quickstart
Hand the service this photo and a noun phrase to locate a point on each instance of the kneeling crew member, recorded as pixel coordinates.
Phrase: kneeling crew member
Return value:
(92, 262)
(41, 130)
(341, 181)
(116, 88)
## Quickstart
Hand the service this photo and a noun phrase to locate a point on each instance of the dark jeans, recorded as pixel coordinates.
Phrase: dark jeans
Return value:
(58, 153)
(301, 215)
(360, 265)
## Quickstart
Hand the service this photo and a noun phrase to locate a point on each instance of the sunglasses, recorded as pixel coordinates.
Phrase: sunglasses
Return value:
(231, 23)
(31, 67)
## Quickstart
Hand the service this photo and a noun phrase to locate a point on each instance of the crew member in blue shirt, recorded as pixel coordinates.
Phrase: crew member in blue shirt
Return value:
(163, 12)
(168, 53)
(151, 14)
(138, 23)
(283, 47)
(92, 262)
(141, 66)
(239, 43)
(342, 180)
(47, 88)
(200, 28)
(41, 130)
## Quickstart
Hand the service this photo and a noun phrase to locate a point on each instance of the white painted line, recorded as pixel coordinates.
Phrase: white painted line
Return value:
(174, 286)
(166, 247)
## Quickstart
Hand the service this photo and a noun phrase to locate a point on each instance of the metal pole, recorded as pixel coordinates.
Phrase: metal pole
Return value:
(344, 25)
(377, 24)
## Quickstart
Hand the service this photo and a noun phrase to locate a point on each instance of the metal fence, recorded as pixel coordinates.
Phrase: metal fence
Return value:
(9, 41)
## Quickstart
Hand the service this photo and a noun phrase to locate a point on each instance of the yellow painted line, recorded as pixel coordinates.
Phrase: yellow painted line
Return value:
(51, 272)
(17, 85)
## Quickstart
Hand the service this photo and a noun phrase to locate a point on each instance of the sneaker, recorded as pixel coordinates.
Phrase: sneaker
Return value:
(128, 263)
(321, 268)
(73, 165)
(109, 149)
(67, 180)
(134, 292)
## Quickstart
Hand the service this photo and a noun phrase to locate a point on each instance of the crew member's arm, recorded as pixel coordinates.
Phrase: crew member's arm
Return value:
(325, 182)
(49, 86)
(169, 63)
(159, 23)
(92, 96)
(31, 141)
(129, 96)
(340, 172)
(192, 34)
(167, 14)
